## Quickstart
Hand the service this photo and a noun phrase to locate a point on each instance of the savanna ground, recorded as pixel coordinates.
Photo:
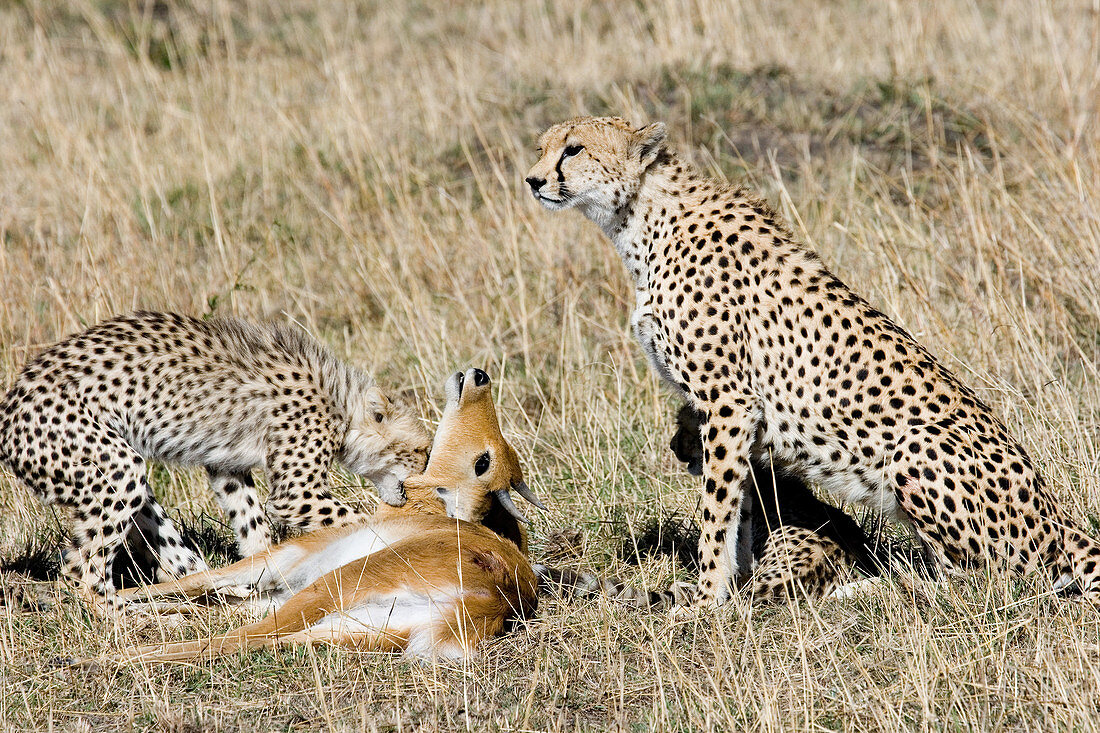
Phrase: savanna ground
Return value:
(357, 168)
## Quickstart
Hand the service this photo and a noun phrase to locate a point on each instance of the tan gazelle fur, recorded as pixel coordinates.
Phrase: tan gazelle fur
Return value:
(414, 579)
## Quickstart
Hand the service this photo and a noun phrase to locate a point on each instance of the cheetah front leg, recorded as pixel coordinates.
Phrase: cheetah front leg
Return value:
(728, 436)
(236, 494)
(298, 470)
(727, 444)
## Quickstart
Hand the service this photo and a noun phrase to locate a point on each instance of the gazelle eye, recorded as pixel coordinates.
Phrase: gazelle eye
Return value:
(378, 416)
(571, 150)
(481, 465)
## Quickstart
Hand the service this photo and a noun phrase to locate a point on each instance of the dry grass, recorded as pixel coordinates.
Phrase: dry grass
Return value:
(357, 167)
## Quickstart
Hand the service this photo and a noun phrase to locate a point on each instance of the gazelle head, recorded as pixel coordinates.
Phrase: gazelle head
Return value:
(472, 469)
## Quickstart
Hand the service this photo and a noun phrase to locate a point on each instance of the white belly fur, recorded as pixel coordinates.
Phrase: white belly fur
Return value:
(340, 550)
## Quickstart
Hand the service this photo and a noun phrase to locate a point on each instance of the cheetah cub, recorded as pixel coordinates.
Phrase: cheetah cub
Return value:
(788, 364)
(86, 413)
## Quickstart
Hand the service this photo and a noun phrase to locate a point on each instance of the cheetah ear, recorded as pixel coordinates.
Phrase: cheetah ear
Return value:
(375, 397)
(649, 142)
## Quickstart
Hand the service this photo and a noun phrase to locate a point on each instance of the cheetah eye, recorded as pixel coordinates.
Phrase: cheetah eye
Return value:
(571, 150)
(482, 463)
(378, 417)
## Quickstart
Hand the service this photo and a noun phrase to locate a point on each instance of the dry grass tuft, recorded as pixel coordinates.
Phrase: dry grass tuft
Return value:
(357, 167)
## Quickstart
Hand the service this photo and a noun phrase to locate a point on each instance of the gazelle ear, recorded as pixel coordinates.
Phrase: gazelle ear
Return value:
(419, 482)
(649, 142)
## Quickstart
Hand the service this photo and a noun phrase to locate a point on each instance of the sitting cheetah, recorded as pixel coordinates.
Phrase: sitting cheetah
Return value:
(792, 543)
(788, 364)
(86, 413)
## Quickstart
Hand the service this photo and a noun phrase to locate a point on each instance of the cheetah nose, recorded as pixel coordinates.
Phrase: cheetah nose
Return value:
(480, 378)
(535, 183)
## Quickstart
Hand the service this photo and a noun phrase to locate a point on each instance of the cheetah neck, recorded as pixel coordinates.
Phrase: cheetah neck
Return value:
(640, 226)
(626, 225)
(344, 384)
(350, 387)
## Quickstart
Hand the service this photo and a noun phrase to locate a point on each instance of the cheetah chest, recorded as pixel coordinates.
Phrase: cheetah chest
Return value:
(793, 429)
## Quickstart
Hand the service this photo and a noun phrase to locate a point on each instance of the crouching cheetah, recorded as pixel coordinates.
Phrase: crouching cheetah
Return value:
(791, 543)
(86, 413)
(788, 364)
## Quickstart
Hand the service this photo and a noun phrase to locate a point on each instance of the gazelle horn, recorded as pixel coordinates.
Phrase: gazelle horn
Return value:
(505, 500)
(526, 493)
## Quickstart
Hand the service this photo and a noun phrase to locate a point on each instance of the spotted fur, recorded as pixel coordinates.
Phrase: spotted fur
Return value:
(86, 413)
(786, 361)
(793, 544)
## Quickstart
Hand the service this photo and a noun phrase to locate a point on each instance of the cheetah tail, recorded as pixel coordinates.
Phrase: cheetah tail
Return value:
(576, 584)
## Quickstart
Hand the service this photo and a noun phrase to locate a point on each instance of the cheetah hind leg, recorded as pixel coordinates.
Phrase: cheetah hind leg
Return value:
(97, 536)
(173, 558)
(102, 481)
(1082, 577)
(796, 562)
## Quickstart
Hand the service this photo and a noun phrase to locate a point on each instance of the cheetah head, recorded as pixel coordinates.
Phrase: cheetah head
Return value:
(593, 163)
(386, 443)
(472, 468)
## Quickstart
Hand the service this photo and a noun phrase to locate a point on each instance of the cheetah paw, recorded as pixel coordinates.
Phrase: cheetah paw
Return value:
(693, 610)
(1066, 585)
(856, 588)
